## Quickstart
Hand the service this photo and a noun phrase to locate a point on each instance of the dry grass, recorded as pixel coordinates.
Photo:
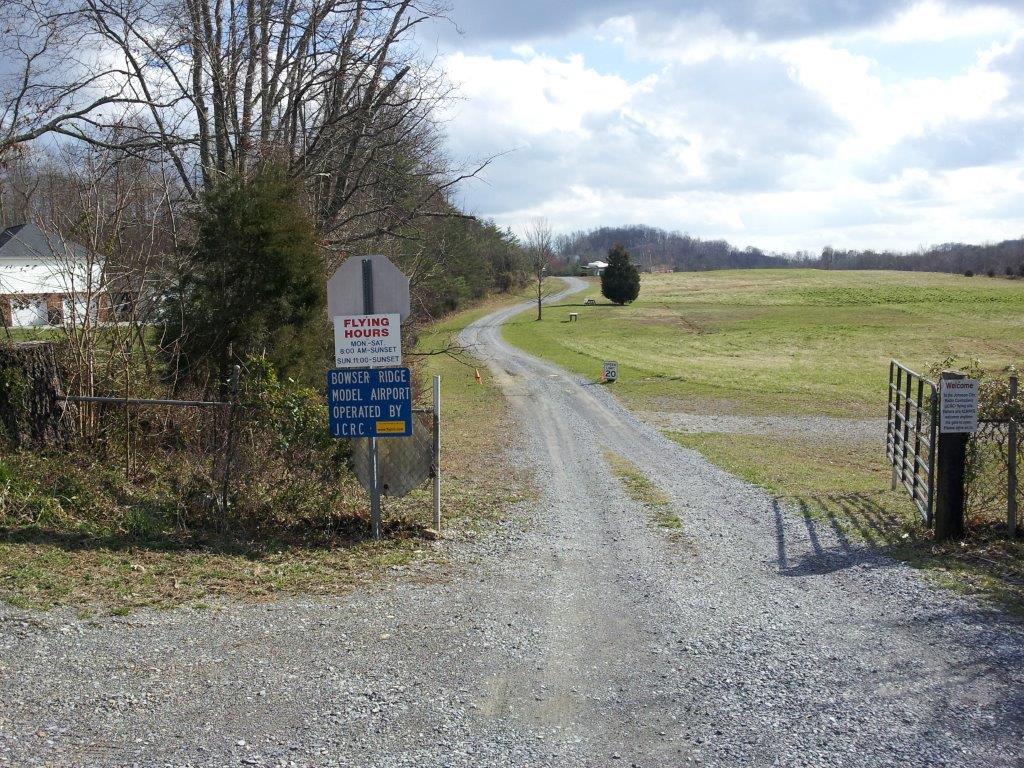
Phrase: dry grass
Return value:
(117, 571)
(639, 488)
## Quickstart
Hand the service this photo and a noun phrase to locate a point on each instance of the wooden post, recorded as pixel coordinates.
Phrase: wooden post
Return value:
(1011, 463)
(950, 498)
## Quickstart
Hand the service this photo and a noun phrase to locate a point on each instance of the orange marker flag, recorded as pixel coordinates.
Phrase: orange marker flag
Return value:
(477, 377)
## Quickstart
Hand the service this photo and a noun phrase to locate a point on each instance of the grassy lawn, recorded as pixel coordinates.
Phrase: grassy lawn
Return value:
(779, 341)
(52, 561)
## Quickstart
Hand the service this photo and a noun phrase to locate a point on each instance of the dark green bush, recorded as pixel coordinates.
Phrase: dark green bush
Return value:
(620, 281)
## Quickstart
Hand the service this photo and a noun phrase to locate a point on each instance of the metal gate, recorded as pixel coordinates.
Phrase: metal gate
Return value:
(911, 436)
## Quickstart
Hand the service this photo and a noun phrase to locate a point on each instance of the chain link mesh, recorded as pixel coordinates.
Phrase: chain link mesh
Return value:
(404, 463)
(988, 469)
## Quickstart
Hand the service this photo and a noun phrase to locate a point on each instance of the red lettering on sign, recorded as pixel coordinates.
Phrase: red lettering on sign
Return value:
(367, 322)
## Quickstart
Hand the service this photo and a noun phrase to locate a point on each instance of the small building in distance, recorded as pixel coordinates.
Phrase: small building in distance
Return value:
(46, 280)
(596, 268)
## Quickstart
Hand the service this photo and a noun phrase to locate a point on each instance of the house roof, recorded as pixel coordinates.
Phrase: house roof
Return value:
(28, 241)
(33, 262)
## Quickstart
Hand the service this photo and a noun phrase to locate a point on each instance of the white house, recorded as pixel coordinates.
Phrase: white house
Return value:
(46, 280)
(597, 268)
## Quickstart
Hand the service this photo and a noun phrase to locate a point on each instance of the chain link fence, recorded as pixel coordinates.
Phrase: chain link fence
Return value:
(994, 455)
(409, 468)
(141, 434)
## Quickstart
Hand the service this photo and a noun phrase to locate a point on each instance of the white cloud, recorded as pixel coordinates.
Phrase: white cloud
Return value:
(532, 94)
(935, 22)
(784, 144)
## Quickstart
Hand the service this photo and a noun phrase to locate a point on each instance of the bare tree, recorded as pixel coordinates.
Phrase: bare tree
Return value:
(539, 242)
(335, 88)
(54, 77)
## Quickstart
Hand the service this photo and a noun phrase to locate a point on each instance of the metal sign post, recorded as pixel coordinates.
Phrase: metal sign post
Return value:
(369, 394)
(367, 269)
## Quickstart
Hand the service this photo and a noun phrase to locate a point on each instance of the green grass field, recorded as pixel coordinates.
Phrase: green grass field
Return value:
(779, 341)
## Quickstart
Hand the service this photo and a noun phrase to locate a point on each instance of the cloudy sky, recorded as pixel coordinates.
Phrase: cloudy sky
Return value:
(786, 124)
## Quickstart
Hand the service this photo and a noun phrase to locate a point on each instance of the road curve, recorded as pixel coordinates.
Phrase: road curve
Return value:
(585, 636)
(764, 637)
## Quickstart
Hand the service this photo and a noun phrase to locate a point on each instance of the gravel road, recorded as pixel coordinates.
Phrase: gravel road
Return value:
(579, 636)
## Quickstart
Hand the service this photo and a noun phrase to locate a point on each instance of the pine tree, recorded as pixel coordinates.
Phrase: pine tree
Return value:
(256, 283)
(620, 281)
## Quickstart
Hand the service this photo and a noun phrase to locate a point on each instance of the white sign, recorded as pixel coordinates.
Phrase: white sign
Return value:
(367, 341)
(958, 405)
(611, 370)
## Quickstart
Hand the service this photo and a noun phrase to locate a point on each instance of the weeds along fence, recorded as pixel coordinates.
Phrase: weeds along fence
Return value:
(136, 430)
(257, 462)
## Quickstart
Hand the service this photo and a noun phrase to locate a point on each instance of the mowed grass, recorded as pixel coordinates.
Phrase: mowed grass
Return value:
(804, 342)
(795, 341)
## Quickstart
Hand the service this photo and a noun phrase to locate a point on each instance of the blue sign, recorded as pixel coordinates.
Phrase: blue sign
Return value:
(369, 402)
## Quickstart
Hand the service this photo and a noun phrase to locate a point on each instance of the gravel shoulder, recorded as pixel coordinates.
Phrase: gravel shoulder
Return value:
(579, 635)
(821, 428)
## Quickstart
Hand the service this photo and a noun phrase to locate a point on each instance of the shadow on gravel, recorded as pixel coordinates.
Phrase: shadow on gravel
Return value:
(823, 543)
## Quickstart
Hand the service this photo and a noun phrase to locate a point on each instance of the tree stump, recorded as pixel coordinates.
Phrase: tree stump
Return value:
(32, 413)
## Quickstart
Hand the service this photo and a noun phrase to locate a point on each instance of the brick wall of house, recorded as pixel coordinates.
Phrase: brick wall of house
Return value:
(103, 308)
(54, 308)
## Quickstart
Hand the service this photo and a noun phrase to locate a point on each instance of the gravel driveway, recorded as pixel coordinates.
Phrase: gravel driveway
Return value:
(584, 637)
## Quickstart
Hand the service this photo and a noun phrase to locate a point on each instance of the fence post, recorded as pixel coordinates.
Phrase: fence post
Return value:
(890, 419)
(235, 374)
(1011, 479)
(437, 454)
(950, 497)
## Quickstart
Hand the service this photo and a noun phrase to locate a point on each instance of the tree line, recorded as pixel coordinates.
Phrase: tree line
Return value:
(654, 248)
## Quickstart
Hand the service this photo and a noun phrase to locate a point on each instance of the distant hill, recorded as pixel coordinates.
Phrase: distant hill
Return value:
(654, 248)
